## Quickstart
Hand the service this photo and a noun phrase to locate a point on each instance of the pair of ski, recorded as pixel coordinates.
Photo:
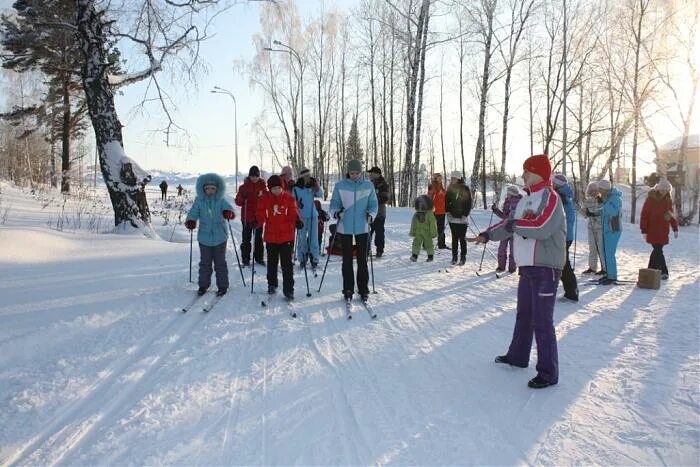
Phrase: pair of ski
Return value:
(289, 302)
(207, 306)
(348, 308)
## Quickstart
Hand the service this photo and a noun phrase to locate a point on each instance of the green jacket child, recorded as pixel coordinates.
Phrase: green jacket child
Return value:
(423, 227)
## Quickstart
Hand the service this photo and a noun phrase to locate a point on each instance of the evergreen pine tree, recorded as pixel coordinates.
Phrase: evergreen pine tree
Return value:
(353, 150)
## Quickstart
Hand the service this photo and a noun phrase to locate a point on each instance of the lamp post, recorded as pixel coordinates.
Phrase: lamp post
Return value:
(218, 90)
(293, 52)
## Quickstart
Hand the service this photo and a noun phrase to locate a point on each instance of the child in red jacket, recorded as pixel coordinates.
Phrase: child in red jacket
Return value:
(277, 214)
(657, 217)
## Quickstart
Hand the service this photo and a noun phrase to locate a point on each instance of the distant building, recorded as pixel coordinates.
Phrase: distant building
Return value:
(667, 161)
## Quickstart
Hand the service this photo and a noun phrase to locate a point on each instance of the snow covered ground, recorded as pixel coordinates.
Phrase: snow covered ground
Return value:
(98, 366)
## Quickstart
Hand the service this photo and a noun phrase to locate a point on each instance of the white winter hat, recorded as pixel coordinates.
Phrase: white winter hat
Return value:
(604, 184)
(592, 187)
(559, 180)
(663, 185)
(456, 174)
(512, 190)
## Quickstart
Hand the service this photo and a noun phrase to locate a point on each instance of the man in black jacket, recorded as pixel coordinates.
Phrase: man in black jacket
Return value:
(381, 188)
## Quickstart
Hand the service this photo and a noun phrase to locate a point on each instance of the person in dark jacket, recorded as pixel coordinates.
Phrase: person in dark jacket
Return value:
(249, 193)
(511, 202)
(568, 278)
(539, 230)
(382, 190)
(656, 221)
(163, 190)
(458, 205)
(277, 212)
(212, 210)
(180, 189)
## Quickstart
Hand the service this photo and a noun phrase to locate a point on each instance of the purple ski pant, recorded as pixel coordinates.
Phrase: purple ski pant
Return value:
(505, 249)
(537, 292)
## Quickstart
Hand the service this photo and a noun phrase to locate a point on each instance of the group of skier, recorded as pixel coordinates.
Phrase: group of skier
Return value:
(536, 229)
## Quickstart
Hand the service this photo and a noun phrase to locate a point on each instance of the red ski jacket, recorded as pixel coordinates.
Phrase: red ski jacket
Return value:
(278, 214)
(657, 216)
(247, 198)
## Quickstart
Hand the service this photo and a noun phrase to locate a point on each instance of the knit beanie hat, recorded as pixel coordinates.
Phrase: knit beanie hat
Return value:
(513, 190)
(539, 165)
(375, 170)
(286, 170)
(663, 185)
(559, 180)
(254, 171)
(354, 166)
(604, 184)
(304, 171)
(274, 181)
(423, 203)
(592, 187)
(456, 174)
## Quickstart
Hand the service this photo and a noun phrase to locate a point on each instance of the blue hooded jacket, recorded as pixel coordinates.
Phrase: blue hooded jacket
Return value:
(305, 199)
(356, 200)
(567, 199)
(208, 210)
(612, 213)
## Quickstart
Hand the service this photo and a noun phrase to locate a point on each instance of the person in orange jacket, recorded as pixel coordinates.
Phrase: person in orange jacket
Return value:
(437, 192)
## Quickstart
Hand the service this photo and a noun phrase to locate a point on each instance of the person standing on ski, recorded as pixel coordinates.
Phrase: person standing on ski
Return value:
(611, 212)
(539, 230)
(304, 192)
(381, 188)
(592, 205)
(458, 204)
(249, 193)
(568, 278)
(163, 190)
(354, 204)
(506, 245)
(277, 213)
(437, 192)
(212, 211)
(423, 228)
(656, 221)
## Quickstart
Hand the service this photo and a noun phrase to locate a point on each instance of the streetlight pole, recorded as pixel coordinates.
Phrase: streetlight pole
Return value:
(218, 90)
(293, 52)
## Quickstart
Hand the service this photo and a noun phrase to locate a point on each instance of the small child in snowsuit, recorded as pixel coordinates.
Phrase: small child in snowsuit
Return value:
(213, 211)
(423, 228)
(506, 246)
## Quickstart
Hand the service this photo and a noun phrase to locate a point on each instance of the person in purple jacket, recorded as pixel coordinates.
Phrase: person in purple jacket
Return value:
(511, 201)
(538, 228)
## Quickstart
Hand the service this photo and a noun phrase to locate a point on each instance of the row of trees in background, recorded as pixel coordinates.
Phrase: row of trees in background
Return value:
(389, 64)
(581, 79)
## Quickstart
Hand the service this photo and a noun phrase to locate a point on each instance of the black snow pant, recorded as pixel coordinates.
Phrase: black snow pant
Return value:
(217, 255)
(657, 259)
(377, 230)
(440, 218)
(348, 273)
(459, 240)
(258, 252)
(282, 253)
(568, 278)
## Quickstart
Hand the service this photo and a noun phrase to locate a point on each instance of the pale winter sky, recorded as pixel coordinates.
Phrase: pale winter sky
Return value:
(208, 118)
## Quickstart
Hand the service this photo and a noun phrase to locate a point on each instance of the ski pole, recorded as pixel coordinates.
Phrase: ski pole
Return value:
(233, 239)
(575, 237)
(328, 257)
(191, 234)
(476, 234)
(369, 253)
(483, 252)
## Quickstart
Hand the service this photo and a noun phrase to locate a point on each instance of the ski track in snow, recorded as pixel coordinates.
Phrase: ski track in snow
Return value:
(98, 366)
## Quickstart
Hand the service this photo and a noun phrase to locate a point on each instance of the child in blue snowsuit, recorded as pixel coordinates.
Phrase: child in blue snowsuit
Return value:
(212, 211)
(612, 228)
(304, 191)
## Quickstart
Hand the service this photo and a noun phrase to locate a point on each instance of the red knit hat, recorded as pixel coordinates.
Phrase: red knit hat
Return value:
(274, 181)
(539, 165)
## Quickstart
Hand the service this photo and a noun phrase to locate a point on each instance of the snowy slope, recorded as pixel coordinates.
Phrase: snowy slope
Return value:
(98, 366)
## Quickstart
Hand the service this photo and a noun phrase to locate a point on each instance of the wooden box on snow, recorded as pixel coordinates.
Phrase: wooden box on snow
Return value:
(649, 279)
